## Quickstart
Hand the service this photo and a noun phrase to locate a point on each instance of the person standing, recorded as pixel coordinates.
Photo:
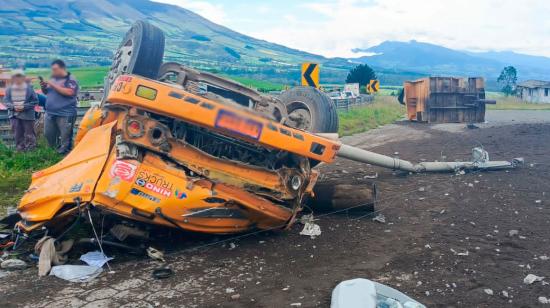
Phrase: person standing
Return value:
(20, 99)
(61, 99)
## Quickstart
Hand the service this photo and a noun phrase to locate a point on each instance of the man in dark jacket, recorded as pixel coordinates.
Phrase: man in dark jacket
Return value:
(61, 99)
(20, 99)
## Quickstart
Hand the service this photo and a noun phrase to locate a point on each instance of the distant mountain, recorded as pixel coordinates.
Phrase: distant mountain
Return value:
(436, 60)
(86, 32)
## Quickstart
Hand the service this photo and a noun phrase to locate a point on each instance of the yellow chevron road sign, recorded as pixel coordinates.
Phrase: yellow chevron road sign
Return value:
(310, 74)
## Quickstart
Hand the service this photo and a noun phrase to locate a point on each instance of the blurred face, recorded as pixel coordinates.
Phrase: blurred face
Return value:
(18, 80)
(58, 71)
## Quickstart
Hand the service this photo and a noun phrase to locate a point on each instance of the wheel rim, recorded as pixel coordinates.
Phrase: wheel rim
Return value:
(121, 60)
(299, 116)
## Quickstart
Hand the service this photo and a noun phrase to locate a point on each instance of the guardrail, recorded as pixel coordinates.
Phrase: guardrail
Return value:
(348, 103)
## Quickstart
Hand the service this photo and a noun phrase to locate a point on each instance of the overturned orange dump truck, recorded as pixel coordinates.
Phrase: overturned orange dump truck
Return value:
(176, 147)
(146, 156)
(446, 100)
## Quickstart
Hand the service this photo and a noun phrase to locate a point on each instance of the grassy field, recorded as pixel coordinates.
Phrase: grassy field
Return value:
(384, 110)
(16, 170)
(88, 77)
(92, 77)
(512, 103)
(260, 85)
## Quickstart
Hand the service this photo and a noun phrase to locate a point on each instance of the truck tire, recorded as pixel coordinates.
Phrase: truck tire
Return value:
(310, 109)
(140, 53)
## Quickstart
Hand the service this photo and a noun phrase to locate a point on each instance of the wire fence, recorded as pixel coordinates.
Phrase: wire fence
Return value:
(347, 103)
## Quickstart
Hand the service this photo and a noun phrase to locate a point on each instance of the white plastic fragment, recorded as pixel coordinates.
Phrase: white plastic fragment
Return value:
(375, 176)
(95, 258)
(76, 273)
(364, 293)
(544, 300)
(488, 291)
(155, 254)
(310, 227)
(380, 218)
(529, 279)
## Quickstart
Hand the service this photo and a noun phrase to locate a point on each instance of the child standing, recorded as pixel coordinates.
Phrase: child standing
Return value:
(20, 99)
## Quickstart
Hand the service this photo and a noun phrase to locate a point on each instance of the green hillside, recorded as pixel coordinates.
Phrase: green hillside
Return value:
(85, 33)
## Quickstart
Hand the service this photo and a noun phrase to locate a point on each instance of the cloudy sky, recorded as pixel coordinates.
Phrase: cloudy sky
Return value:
(335, 27)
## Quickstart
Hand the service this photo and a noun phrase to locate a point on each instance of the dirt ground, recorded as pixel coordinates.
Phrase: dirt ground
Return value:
(447, 239)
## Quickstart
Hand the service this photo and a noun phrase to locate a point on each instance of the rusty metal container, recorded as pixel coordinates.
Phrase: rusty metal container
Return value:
(446, 100)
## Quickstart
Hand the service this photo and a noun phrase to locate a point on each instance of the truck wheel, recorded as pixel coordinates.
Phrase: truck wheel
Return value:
(140, 53)
(310, 109)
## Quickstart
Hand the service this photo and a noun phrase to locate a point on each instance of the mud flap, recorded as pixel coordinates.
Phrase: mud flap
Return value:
(73, 177)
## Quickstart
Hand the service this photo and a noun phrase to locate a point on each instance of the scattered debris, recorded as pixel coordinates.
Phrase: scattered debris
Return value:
(466, 253)
(380, 218)
(162, 273)
(505, 294)
(235, 296)
(544, 258)
(544, 300)
(155, 254)
(13, 264)
(122, 232)
(229, 290)
(76, 273)
(310, 228)
(488, 291)
(95, 258)
(375, 176)
(296, 305)
(529, 279)
(50, 254)
(232, 246)
(513, 232)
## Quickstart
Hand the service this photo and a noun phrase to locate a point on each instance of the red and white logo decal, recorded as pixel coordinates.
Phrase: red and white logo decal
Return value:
(123, 170)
